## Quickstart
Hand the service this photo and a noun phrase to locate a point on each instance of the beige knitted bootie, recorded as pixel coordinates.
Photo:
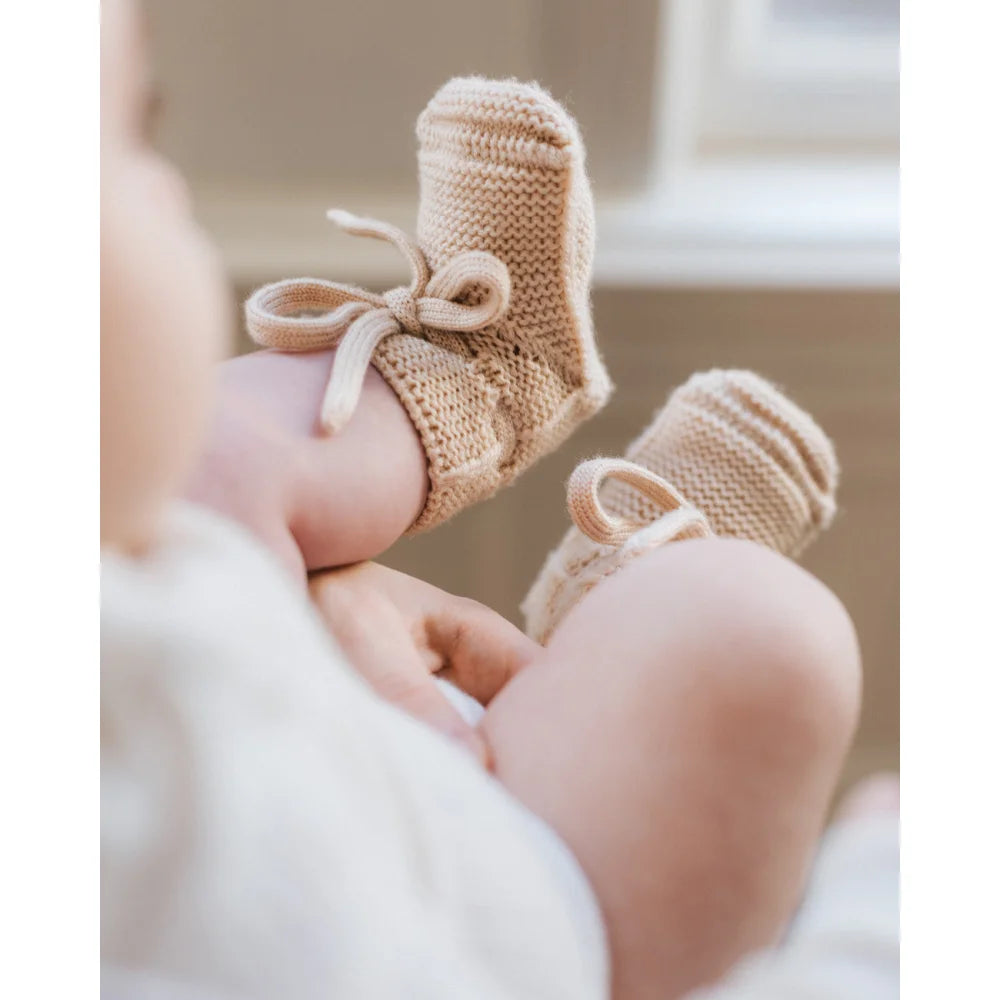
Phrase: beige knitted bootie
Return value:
(491, 348)
(728, 455)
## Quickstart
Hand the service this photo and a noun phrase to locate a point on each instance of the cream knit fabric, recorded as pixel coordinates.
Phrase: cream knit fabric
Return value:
(271, 829)
(727, 442)
(491, 348)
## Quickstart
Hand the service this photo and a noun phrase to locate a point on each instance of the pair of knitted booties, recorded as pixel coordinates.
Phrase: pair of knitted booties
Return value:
(491, 351)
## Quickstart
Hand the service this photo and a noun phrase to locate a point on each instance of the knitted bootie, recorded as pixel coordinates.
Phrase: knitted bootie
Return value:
(491, 348)
(728, 455)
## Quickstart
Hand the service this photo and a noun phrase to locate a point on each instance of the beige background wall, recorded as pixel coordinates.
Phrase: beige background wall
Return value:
(280, 93)
(272, 99)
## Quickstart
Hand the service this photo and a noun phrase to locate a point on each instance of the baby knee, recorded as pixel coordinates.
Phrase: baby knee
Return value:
(800, 654)
(784, 656)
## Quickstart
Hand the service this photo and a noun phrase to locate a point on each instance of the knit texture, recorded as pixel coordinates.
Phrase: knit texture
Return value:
(312, 314)
(730, 445)
(491, 347)
(501, 171)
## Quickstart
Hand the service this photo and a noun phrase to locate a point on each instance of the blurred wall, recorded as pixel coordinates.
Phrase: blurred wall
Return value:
(279, 93)
(271, 98)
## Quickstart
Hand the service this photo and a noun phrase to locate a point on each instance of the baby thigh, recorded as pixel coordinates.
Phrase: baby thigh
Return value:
(683, 732)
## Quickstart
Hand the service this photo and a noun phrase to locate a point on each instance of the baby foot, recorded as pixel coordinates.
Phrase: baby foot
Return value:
(491, 348)
(727, 455)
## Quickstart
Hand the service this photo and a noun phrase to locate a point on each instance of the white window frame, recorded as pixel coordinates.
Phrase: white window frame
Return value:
(775, 161)
(773, 81)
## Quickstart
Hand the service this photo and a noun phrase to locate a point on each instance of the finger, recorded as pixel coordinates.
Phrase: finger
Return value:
(481, 650)
(380, 647)
(421, 697)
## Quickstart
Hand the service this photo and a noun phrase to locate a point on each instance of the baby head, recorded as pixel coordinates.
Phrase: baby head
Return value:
(164, 302)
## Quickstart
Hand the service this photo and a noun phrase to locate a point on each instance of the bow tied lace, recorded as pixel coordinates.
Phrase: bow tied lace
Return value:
(310, 314)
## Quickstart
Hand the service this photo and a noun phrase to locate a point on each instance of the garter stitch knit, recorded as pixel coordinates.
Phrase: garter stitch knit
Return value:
(502, 176)
(727, 444)
(501, 170)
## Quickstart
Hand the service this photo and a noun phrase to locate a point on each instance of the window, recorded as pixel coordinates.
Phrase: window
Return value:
(775, 148)
(819, 74)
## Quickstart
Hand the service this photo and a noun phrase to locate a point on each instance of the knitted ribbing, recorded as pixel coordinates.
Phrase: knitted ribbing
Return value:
(502, 171)
(756, 465)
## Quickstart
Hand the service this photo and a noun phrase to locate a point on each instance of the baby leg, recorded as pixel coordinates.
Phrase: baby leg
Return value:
(315, 499)
(683, 732)
(491, 349)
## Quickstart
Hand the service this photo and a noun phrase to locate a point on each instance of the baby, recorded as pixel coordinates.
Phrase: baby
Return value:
(661, 765)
